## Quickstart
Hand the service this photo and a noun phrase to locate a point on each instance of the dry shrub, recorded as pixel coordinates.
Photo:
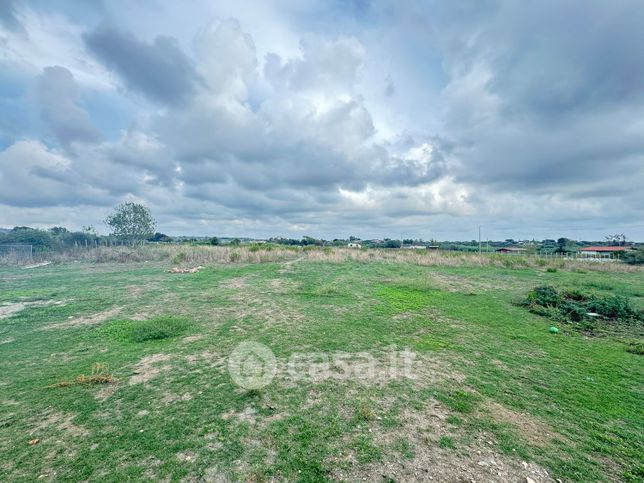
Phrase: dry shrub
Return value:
(100, 375)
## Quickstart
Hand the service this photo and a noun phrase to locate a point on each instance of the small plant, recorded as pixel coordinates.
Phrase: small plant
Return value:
(234, 257)
(551, 270)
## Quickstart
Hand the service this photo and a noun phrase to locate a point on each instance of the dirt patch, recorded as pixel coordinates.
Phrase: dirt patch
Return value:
(147, 369)
(192, 338)
(422, 430)
(533, 430)
(85, 320)
(248, 415)
(106, 392)
(60, 421)
(234, 283)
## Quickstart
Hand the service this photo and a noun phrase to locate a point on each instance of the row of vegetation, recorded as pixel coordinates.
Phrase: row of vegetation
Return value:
(132, 224)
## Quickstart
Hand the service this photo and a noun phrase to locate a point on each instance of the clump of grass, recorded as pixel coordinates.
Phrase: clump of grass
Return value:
(158, 328)
(100, 375)
(551, 270)
(458, 400)
(446, 442)
(326, 290)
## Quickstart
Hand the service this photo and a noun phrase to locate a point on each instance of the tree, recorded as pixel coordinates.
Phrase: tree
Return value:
(634, 257)
(214, 241)
(617, 240)
(160, 238)
(131, 222)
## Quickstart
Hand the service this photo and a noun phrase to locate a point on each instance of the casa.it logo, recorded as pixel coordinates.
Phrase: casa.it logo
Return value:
(252, 365)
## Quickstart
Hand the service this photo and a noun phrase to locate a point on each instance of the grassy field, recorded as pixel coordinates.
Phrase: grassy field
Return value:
(491, 394)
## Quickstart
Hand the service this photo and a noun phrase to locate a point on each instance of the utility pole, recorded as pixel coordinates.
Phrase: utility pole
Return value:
(479, 239)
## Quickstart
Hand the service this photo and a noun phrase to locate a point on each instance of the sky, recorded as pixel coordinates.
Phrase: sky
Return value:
(326, 118)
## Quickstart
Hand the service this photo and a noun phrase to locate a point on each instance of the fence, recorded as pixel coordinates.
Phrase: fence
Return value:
(16, 253)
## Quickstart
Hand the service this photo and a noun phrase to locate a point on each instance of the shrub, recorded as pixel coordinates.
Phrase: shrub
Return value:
(551, 270)
(545, 296)
(575, 306)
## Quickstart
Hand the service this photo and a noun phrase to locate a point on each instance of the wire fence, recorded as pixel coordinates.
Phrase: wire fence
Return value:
(16, 253)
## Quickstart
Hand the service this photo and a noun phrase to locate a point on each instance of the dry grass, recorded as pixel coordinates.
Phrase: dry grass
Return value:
(100, 375)
(190, 256)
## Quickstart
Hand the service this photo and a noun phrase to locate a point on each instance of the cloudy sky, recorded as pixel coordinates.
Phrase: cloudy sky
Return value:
(326, 117)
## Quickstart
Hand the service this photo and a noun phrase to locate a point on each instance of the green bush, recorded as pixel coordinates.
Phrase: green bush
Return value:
(575, 306)
(545, 296)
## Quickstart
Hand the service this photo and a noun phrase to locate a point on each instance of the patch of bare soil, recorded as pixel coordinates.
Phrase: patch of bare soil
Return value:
(477, 463)
(59, 421)
(11, 308)
(257, 304)
(147, 368)
(532, 430)
(106, 392)
(84, 320)
(234, 283)
(207, 359)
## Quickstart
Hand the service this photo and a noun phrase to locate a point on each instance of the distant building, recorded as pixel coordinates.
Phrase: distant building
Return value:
(600, 251)
(354, 245)
(414, 247)
(433, 247)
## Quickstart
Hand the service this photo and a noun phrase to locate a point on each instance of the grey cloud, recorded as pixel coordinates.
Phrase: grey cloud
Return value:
(159, 70)
(59, 95)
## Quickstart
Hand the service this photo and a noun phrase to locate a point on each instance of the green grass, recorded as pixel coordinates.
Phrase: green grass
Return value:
(570, 403)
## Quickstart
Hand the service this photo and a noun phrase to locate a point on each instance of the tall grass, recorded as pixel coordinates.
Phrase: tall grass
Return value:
(190, 255)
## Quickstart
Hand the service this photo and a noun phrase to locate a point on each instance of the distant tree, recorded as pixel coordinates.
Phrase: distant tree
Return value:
(160, 238)
(617, 239)
(215, 241)
(58, 230)
(634, 257)
(40, 239)
(353, 238)
(235, 241)
(131, 222)
(565, 245)
(391, 244)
